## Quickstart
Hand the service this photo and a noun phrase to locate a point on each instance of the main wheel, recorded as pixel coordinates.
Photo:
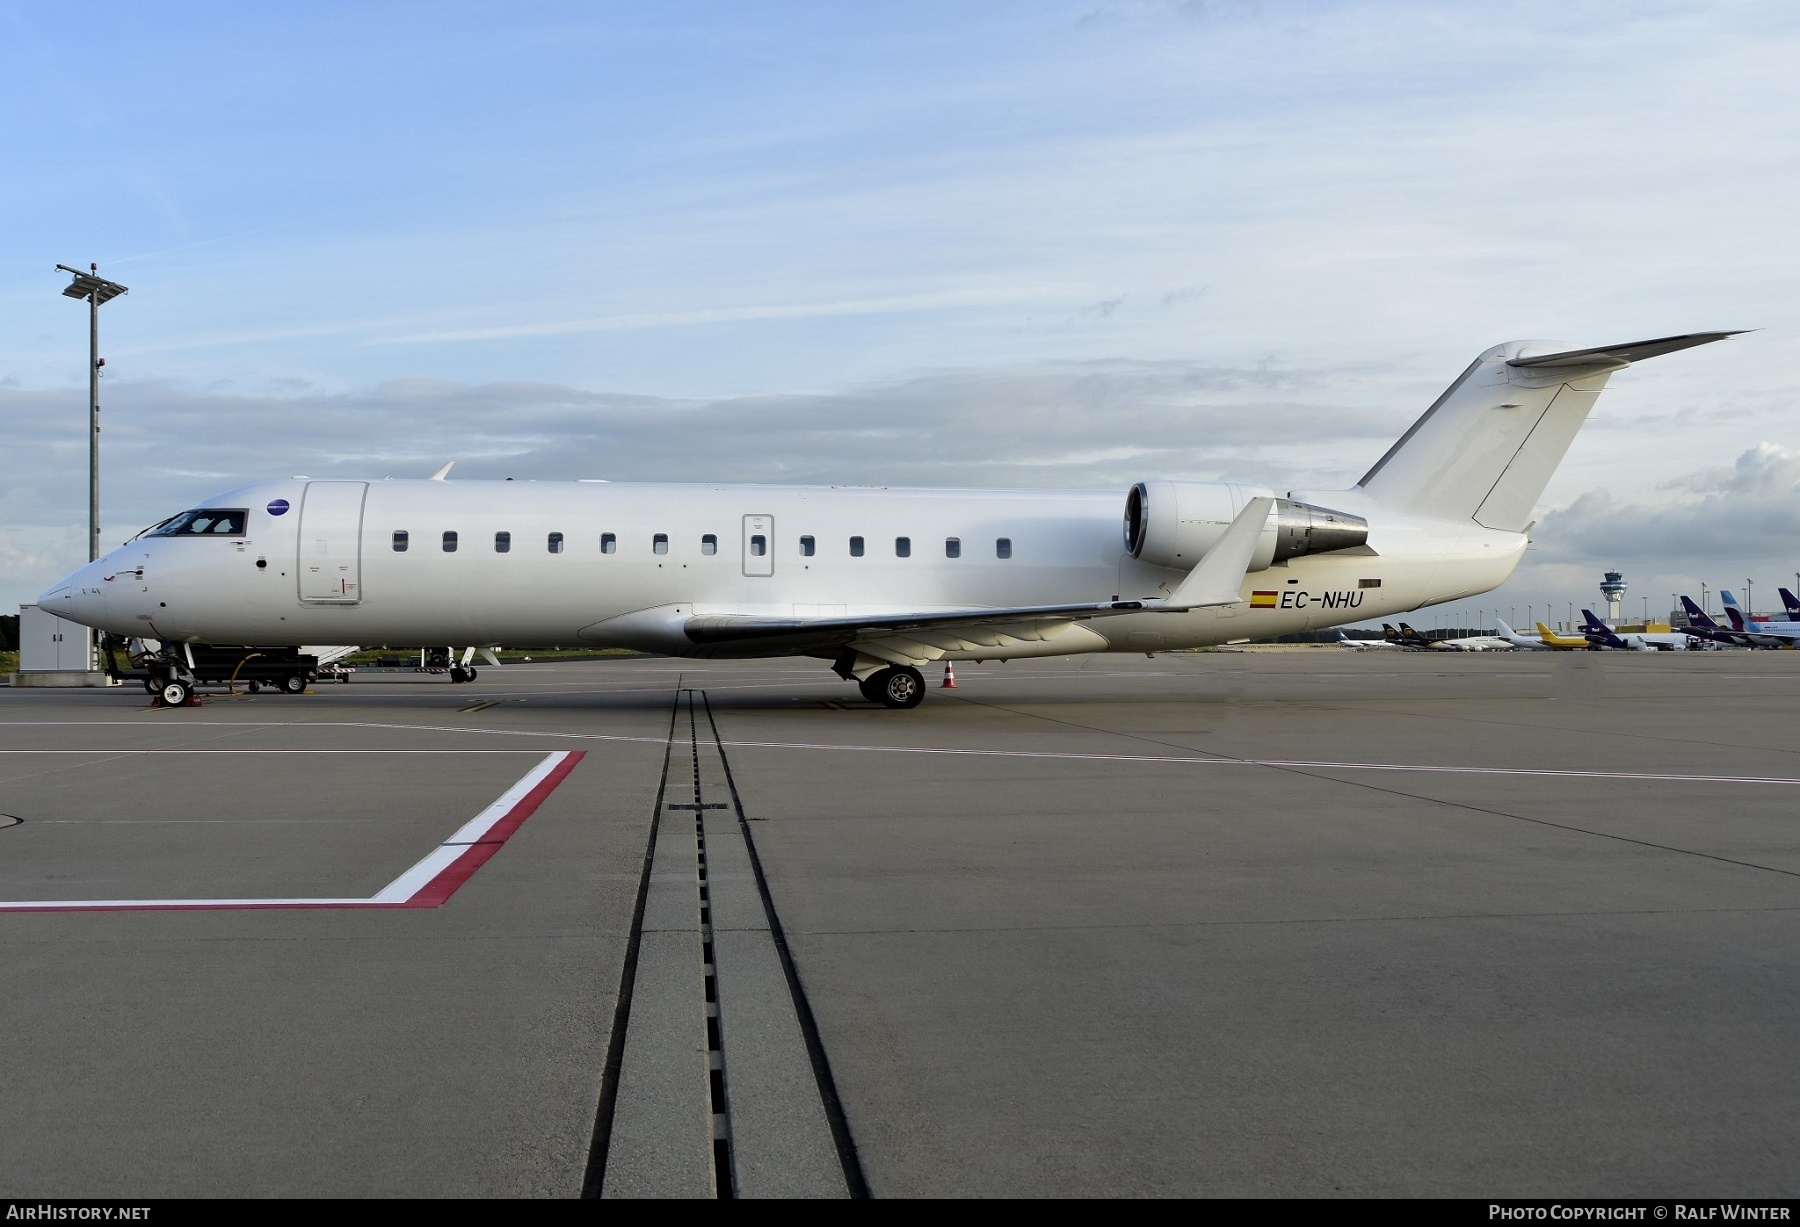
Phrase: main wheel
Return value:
(471, 672)
(458, 675)
(176, 693)
(294, 683)
(897, 686)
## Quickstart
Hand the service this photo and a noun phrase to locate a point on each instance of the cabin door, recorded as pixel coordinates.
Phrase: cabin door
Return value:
(759, 545)
(330, 562)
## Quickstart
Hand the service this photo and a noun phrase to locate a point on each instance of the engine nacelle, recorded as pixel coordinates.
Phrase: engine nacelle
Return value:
(1174, 523)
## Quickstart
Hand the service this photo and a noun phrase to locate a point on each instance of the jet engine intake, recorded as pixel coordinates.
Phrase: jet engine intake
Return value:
(1173, 524)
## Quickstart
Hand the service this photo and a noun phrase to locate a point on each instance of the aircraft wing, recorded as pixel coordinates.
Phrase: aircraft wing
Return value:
(734, 628)
(918, 636)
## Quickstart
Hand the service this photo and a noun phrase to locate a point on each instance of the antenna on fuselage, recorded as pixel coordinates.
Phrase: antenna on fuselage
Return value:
(444, 472)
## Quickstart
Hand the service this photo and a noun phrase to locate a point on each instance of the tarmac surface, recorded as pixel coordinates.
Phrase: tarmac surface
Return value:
(1309, 923)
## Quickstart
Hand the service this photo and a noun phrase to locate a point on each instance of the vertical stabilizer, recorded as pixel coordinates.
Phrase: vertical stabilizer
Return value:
(1487, 447)
(1739, 619)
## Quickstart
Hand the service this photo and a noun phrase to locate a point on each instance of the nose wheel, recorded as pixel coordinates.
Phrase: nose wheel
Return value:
(895, 686)
(171, 682)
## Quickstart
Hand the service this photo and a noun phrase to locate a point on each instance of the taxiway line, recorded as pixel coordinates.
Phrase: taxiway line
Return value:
(1659, 777)
(428, 883)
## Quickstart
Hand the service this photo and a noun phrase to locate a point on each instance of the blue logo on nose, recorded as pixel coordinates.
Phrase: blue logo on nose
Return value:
(278, 507)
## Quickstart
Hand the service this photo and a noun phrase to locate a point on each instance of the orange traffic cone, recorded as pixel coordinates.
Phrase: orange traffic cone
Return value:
(949, 682)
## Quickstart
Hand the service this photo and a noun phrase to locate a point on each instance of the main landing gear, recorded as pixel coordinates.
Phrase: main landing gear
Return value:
(895, 686)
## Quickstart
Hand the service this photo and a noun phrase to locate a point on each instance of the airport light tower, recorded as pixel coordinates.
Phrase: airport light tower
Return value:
(96, 290)
(1612, 587)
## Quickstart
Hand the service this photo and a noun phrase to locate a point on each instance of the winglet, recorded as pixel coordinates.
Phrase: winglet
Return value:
(444, 473)
(1215, 580)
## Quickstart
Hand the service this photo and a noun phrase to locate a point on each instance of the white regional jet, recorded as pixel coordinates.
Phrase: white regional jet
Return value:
(876, 581)
(1525, 643)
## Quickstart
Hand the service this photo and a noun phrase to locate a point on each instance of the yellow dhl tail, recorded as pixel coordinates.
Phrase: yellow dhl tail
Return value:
(1561, 642)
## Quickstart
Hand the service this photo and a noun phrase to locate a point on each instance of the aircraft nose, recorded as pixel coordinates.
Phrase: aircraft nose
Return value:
(79, 596)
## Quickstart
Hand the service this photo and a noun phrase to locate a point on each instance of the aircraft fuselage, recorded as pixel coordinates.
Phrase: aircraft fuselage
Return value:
(491, 562)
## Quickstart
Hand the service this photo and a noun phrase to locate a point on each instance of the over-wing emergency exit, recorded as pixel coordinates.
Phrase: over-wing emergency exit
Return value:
(877, 582)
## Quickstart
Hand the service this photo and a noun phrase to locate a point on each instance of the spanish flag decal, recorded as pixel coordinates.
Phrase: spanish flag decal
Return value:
(1262, 600)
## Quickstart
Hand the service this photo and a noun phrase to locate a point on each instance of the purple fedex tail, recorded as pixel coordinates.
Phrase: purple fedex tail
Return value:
(1791, 603)
(1599, 632)
(1701, 625)
(1698, 616)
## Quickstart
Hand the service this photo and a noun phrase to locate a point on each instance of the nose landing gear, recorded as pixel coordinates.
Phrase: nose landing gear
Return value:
(171, 681)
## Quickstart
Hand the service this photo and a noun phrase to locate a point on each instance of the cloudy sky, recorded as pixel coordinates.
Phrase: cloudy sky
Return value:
(1036, 243)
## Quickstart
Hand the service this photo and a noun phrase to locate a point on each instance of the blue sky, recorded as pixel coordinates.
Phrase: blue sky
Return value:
(1034, 243)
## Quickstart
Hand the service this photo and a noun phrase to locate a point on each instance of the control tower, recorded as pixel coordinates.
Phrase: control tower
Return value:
(1612, 587)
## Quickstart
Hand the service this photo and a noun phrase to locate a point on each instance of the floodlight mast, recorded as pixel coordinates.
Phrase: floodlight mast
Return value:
(96, 290)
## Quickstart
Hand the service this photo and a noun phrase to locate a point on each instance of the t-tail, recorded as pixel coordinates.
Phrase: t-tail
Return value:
(1487, 447)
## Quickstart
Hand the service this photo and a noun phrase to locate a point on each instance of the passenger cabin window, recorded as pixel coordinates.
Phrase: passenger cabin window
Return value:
(903, 547)
(555, 543)
(502, 543)
(952, 547)
(450, 543)
(709, 544)
(205, 522)
(856, 547)
(609, 543)
(400, 540)
(759, 545)
(660, 543)
(806, 547)
(1003, 547)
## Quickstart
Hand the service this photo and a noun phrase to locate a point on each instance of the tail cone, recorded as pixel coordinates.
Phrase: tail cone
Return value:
(949, 682)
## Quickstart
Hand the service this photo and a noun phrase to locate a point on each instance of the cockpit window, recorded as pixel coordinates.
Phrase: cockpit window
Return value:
(205, 522)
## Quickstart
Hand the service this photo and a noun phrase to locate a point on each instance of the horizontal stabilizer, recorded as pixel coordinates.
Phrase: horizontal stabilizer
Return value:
(1631, 351)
